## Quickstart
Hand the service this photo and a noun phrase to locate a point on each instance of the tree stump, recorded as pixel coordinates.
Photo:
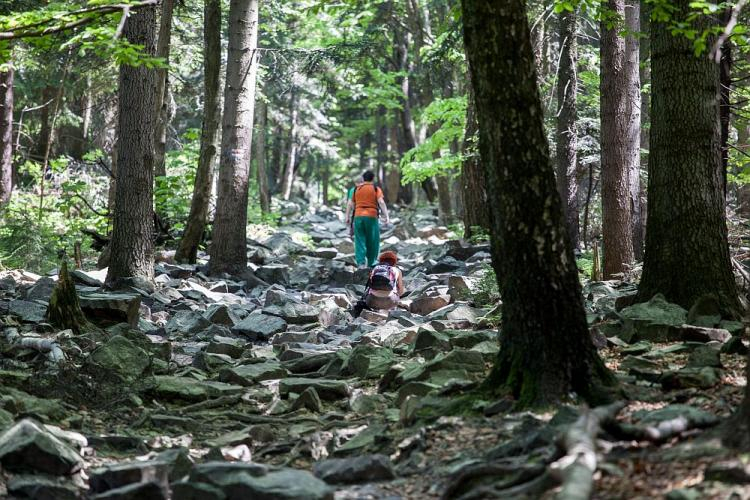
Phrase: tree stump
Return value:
(64, 310)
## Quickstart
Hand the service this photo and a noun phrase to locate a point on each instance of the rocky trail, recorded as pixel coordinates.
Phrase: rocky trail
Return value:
(263, 386)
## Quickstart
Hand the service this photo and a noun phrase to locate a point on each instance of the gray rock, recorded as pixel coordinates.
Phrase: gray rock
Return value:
(251, 374)
(226, 345)
(139, 491)
(734, 346)
(274, 274)
(426, 304)
(111, 307)
(27, 311)
(122, 474)
(309, 400)
(429, 343)
(457, 312)
(42, 289)
(27, 446)
(655, 320)
(728, 471)
(186, 490)
(221, 314)
(329, 390)
(368, 361)
(172, 387)
(705, 312)
(187, 322)
(445, 265)
(42, 488)
(211, 362)
(89, 278)
(259, 326)
(282, 243)
(292, 312)
(121, 356)
(706, 355)
(354, 470)
(701, 378)
(701, 334)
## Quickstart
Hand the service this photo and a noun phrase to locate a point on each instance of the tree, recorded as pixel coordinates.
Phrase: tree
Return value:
(473, 182)
(633, 138)
(546, 350)
(228, 243)
(291, 159)
(161, 107)
(260, 147)
(567, 115)
(687, 252)
(196, 223)
(6, 125)
(617, 149)
(132, 245)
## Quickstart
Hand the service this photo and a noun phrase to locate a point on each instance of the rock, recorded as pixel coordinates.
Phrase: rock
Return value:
(221, 314)
(655, 320)
(111, 307)
(728, 471)
(27, 446)
(427, 304)
(185, 490)
(702, 334)
(414, 389)
(121, 356)
(445, 265)
(637, 349)
(250, 374)
(368, 361)
(309, 399)
(459, 287)
(706, 312)
(294, 312)
(281, 243)
(309, 363)
(226, 345)
(639, 364)
(462, 251)
(27, 311)
(429, 343)
(458, 364)
(187, 322)
(683, 494)
(329, 390)
(360, 469)
(210, 362)
(705, 355)
(42, 289)
(42, 488)
(365, 404)
(323, 253)
(734, 346)
(277, 484)
(701, 378)
(274, 274)
(456, 312)
(172, 387)
(139, 491)
(89, 278)
(259, 326)
(122, 474)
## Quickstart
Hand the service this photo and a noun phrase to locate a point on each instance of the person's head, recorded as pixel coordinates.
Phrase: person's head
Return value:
(388, 257)
(368, 176)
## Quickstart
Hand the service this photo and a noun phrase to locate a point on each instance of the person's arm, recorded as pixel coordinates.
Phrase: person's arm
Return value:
(384, 210)
(400, 283)
(349, 207)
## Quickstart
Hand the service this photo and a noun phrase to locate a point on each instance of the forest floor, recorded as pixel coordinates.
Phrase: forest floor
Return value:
(263, 386)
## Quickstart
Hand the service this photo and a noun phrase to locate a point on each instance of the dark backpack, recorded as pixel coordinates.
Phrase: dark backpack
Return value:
(383, 277)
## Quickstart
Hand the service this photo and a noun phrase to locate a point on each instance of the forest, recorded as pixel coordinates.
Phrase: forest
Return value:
(374, 249)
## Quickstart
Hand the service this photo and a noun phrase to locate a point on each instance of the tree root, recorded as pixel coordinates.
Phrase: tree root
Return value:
(659, 433)
(45, 346)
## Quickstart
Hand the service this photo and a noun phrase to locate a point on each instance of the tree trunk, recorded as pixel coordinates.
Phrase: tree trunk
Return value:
(276, 157)
(444, 199)
(292, 157)
(632, 70)
(132, 245)
(547, 351)
(644, 54)
(381, 157)
(567, 115)
(6, 134)
(162, 75)
(260, 155)
(725, 107)
(616, 146)
(45, 132)
(204, 175)
(229, 239)
(473, 182)
(687, 253)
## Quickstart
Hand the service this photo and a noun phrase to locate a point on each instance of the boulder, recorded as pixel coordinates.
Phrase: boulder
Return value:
(189, 322)
(42, 289)
(117, 475)
(27, 311)
(703, 334)
(309, 400)
(221, 314)
(294, 312)
(140, 491)
(42, 488)
(691, 377)
(361, 469)
(427, 304)
(368, 361)
(734, 346)
(329, 390)
(706, 312)
(447, 264)
(173, 387)
(111, 307)
(121, 356)
(226, 345)
(89, 278)
(259, 326)
(655, 320)
(27, 446)
(705, 355)
(274, 274)
(250, 374)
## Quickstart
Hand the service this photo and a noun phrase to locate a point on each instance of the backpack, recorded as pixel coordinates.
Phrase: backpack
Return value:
(383, 277)
(354, 202)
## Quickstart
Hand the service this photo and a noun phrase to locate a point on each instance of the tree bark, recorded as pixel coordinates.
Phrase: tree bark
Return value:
(616, 146)
(381, 157)
(229, 244)
(292, 157)
(725, 107)
(260, 156)
(132, 245)
(547, 351)
(187, 251)
(644, 54)
(632, 70)
(6, 134)
(567, 115)
(473, 182)
(162, 75)
(687, 253)
(276, 158)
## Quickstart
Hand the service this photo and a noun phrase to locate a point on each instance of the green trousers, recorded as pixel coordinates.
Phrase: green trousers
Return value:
(366, 240)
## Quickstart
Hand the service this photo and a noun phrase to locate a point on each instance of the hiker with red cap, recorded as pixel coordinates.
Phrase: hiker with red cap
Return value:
(386, 284)
(366, 205)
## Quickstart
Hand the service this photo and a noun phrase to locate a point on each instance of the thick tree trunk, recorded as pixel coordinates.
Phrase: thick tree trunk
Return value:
(633, 141)
(260, 155)
(546, 350)
(6, 135)
(161, 108)
(132, 244)
(204, 175)
(725, 107)
(567, 115)
(616, 147)
(473, 182)
(293, 147)
(687, 253)
(229, 239)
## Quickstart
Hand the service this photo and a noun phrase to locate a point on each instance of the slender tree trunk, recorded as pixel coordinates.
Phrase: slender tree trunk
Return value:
(6, 133)
(687, 253)
(616, 146)
(132, 244)
(293, 146)
(260, 155)
(645, 77)
(632, 70)
(725, 107)
(86, 107)
(162, 76)
(45, 132)
(546, 350)
(567, 116)
(229, 240)
(207, 159)
(381, 157)
(474, 184)
(365, 160)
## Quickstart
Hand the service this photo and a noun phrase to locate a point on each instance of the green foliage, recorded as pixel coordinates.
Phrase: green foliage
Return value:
(479, 235)
(486, 291)
(173, 192)
(585, 264)
(423, 161)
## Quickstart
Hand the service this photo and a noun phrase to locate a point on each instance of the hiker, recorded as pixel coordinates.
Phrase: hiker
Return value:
(386, 284)
(366, 203)
(349, 194)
